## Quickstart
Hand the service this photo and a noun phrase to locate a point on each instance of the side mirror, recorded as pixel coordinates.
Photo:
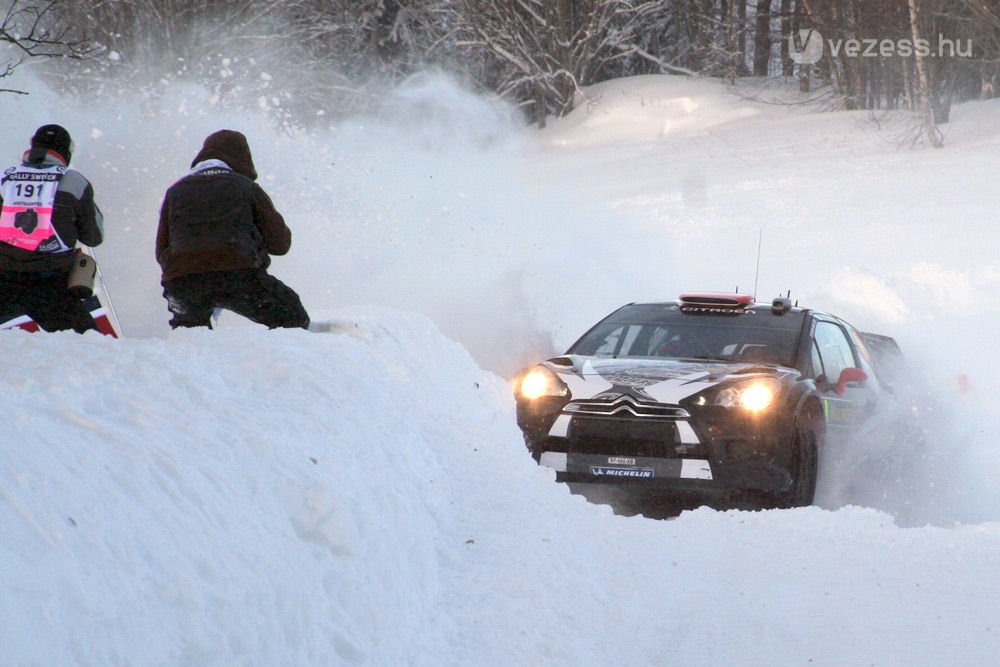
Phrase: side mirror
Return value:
(849, 375)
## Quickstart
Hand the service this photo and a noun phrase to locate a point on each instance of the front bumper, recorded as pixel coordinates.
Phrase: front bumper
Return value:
(712, 450)
(681, 474)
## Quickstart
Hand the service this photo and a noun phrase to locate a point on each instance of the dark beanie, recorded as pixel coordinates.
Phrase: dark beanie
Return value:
(55, 138)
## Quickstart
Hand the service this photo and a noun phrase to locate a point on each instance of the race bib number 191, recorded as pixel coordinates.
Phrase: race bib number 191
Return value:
(29, 197)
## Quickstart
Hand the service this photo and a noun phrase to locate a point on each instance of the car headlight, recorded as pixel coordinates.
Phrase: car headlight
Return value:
(539, 382)
(754, 396)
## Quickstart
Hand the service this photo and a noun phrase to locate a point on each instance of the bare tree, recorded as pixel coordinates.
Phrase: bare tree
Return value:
(762, 38)
(35, 30)
(923, 83)
(787, 66)
(982, 24)
(542, 51)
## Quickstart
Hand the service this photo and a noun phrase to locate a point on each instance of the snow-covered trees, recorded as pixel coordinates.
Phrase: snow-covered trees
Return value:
(303, 57)
(540, 52)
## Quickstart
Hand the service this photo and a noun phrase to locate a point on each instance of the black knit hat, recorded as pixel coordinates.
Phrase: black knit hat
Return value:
(55, 138)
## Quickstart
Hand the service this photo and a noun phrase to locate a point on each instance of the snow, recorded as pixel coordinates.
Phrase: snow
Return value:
(363, 497)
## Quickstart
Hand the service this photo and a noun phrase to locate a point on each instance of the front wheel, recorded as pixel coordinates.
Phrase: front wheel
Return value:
(804, 469)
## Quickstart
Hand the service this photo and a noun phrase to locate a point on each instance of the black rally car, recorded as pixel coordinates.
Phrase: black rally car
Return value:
(712, 393)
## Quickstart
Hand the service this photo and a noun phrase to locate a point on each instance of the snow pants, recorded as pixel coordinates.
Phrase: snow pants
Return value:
(43, 297)
(252, 293)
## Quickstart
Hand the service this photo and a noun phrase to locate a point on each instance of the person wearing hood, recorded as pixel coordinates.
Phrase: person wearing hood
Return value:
(217, 232)
(46, 208)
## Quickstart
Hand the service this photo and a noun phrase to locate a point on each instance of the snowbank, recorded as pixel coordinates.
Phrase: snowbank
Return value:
(363, 497)
(647, 109)
(238, 497)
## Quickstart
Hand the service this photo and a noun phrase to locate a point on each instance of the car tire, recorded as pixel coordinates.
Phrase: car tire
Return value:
(804, 471)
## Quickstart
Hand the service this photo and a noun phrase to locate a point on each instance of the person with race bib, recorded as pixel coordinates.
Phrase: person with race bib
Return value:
(46, 208)
(217, 232)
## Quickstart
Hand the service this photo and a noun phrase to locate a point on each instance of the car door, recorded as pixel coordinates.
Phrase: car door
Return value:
(845, 407)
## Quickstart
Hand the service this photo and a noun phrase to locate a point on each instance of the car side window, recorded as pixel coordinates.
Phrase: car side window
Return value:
(817, 362)
(864, 354)
(833, 349)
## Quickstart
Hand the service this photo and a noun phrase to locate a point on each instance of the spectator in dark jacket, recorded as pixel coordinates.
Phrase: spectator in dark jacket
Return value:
(45, 209)
(217, 231)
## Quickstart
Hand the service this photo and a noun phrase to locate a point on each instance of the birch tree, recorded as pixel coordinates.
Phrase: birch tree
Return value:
(923, 82)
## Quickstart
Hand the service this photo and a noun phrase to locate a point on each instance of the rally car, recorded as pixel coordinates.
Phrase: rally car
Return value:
(712, 393)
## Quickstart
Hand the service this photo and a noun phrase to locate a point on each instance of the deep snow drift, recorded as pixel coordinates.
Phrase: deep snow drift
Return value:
(363, 497)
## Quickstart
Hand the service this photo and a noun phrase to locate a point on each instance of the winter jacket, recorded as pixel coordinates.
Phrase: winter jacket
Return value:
(75, 216)
(217, 218)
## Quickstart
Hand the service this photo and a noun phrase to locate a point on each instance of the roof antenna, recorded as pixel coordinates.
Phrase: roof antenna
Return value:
(760, 241)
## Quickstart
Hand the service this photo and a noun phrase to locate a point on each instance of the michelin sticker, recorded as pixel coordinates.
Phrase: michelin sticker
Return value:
(605, 471)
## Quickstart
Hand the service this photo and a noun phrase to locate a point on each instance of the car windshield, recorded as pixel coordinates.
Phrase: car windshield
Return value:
(662, 330)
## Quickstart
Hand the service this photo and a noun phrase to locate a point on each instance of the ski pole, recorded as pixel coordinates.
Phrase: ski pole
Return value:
(107, 294)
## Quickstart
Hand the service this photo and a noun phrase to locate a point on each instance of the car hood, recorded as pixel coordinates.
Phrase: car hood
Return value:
(660, 380)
